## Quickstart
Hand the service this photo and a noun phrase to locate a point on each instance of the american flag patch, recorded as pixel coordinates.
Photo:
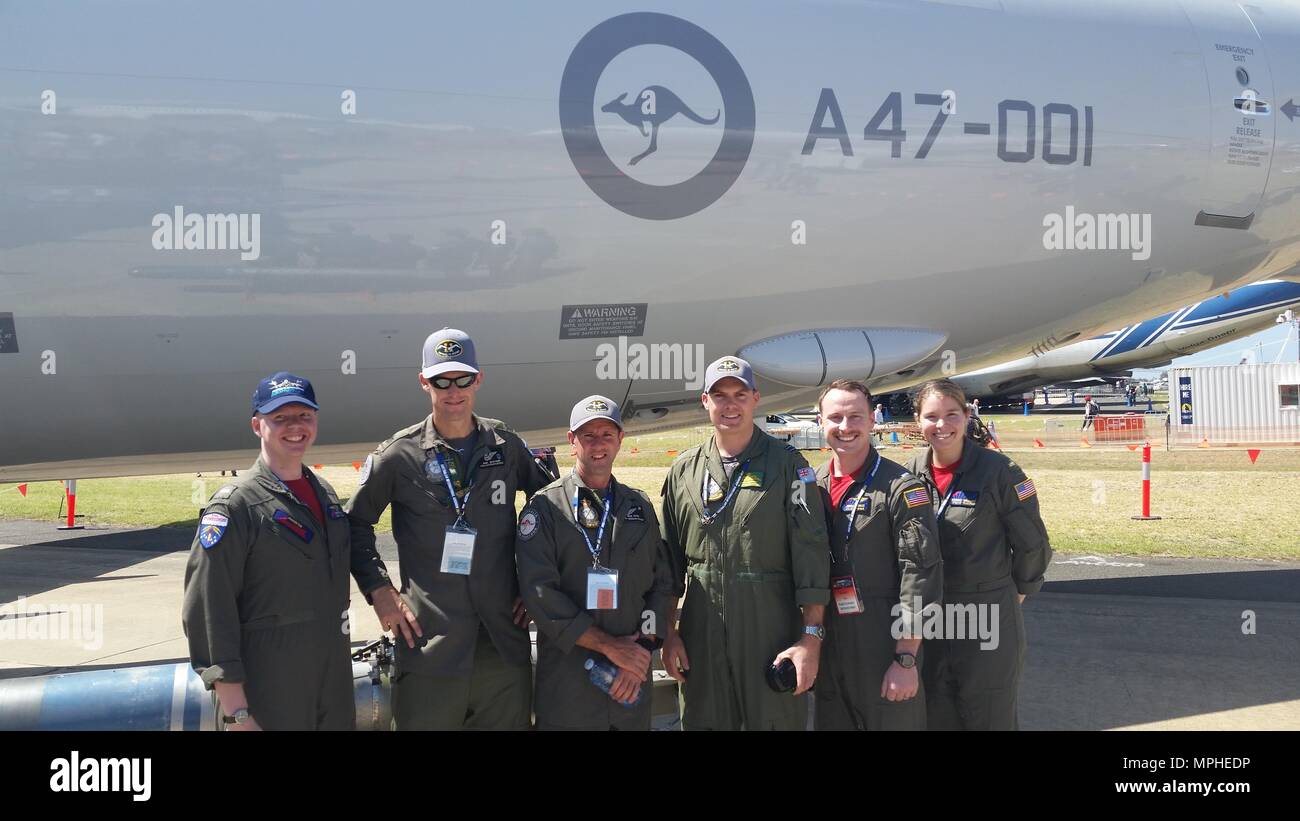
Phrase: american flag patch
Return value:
(916, 497)
(1026, 489)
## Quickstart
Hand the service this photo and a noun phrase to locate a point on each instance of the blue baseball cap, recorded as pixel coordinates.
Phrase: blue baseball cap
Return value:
(280, 389)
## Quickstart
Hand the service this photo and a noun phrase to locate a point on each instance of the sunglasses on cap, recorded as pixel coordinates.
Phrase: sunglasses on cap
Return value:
(442, 383)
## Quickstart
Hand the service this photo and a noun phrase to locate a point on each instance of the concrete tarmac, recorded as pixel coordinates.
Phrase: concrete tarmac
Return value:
(1114, 642)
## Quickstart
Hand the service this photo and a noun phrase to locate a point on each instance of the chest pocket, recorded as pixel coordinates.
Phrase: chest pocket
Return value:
(965, 507)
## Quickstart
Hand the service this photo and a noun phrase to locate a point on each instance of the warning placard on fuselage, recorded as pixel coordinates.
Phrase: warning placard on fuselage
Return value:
(592, 321)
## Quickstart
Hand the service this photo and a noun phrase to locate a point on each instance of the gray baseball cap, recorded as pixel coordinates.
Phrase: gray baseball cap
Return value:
(448, 350)
(594, 407)
(732, 366)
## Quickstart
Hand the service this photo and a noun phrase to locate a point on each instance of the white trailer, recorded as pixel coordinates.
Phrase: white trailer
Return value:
(1235, 404)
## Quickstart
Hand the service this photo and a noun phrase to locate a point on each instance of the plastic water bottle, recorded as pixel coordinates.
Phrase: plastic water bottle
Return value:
(602, 674)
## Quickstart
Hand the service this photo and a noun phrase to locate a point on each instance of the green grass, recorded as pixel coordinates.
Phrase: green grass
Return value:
(1213, 502)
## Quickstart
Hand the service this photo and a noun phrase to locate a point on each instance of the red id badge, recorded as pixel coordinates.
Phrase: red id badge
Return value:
(847, 600)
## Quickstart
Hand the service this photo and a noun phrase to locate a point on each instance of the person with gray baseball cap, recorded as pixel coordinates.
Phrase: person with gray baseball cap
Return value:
(596, 577)
(751, 555)
(463, 651)
(448, 350)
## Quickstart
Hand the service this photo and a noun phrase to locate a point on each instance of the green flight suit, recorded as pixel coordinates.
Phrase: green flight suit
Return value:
(994, 546)
(473, 667)
(746, 575)
(553, 562)
(266, 600)
(893, 559)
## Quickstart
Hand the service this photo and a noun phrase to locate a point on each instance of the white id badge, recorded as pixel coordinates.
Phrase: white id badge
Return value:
(602, 589)
(458, 550)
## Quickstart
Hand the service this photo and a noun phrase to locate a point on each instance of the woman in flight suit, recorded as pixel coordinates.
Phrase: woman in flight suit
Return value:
(995, 551)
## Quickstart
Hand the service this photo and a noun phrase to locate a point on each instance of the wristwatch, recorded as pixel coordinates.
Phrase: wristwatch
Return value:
(815, 630)
(240, 716)
(905, 660)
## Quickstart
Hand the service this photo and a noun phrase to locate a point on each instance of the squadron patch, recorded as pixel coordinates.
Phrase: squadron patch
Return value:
(635, 513)
(808, 475)
(965, 498)
(365, 469)
(211, 528)
(493, 458)
(916, 497)
(528, 525)
(1026, 489)
(754, 479)
(294, 526)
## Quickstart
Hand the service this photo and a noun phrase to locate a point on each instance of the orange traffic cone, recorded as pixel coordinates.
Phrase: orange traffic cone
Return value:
(1205, 443)
(1038, 443)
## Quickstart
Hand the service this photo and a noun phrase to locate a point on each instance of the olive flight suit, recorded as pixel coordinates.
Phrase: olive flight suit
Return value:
(266, 600)
(747, 572)
(893, 559)
(472, 668)
(554, 558)
(994, 546)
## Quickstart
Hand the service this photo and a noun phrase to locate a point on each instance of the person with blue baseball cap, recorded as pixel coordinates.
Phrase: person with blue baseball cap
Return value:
(463, 657)
(266, 585)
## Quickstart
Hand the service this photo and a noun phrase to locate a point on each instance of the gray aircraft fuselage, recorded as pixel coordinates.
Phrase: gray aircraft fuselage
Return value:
(888, 170)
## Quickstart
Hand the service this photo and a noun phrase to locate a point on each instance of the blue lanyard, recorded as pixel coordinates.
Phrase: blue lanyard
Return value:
(710, 517)
(458, 503)
(600, 534)
(848, 533)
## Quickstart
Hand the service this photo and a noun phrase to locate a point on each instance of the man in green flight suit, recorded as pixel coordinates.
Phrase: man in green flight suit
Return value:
(885, 561)
(742, 521)
(465, 662)
(266, 585)
(597, 579)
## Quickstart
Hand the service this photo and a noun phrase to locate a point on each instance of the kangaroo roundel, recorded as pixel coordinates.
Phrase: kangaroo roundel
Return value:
(647, 109)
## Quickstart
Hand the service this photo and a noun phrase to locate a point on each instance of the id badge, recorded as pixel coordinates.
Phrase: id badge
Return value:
(458, 550)
(847, 600)
(602, 589)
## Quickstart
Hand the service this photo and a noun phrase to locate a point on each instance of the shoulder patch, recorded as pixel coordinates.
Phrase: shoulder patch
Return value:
(528, 524)
(1026, 489)
(808, 475)
(211, 528)
(365, 469)
(916, 497)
